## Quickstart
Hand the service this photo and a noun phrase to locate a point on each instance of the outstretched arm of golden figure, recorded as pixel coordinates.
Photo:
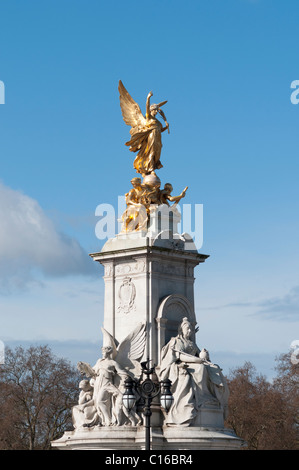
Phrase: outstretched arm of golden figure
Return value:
(178, 198)
(164, 117)
(148, 104)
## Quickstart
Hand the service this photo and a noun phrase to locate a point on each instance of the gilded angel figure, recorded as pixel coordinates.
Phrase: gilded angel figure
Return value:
(145, 131)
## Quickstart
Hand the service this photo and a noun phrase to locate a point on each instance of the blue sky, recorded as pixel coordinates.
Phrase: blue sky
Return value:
(226, 69)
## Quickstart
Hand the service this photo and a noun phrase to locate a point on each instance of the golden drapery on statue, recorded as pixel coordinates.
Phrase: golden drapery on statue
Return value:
(145, 131)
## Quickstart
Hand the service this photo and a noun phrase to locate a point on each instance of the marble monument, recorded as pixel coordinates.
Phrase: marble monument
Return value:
(149, 316)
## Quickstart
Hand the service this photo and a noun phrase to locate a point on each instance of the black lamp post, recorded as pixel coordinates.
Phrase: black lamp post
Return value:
(148, 390)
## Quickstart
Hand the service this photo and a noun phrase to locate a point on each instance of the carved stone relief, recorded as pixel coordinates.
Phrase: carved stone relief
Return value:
(138, 266)
(174, 269)
(108, 270)
(127, 295)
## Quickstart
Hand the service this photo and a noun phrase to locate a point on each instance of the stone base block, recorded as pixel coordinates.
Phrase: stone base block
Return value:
(200, 438)
(162, 438)
(102, 438)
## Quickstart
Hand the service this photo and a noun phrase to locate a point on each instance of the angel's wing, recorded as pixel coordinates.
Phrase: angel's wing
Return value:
(85, 369)
(131, 111)
(131, 349)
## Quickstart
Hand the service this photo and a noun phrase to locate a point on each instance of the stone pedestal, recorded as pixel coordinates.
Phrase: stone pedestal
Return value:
(172, 439)
(149, 279)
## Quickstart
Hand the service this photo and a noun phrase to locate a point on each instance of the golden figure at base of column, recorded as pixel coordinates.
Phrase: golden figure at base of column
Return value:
(135, 215)
(165, 195)
(143, 198)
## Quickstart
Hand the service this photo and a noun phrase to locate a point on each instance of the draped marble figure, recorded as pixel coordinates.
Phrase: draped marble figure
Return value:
(107, 377)
(85, 414)
(196, 382)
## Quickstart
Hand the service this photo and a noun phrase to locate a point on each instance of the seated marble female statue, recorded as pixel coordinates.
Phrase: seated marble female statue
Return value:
(196, 382)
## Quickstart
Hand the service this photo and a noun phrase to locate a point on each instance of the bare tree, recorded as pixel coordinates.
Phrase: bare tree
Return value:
(287, 383)
(260, 412)
(37, 392)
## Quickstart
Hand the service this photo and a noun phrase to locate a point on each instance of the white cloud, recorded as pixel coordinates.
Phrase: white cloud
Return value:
(284, 308)
(30, 243)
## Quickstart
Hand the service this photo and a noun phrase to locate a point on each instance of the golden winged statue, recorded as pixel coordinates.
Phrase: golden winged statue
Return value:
(145, 131)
